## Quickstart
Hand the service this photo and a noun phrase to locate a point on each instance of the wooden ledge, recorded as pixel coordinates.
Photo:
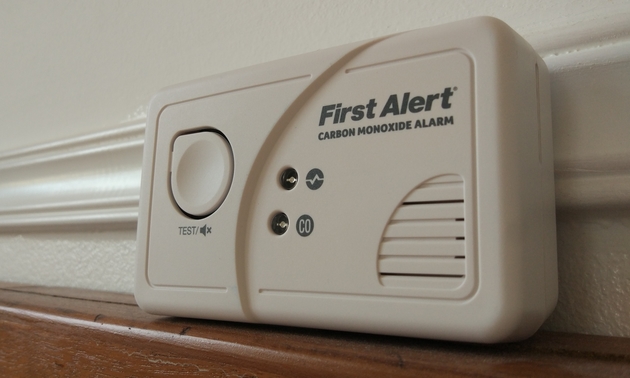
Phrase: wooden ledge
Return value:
(68, 332)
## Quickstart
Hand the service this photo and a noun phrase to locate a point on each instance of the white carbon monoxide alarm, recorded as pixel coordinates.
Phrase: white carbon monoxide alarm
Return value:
(400, 186)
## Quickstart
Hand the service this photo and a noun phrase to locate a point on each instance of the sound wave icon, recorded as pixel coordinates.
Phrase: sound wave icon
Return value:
(315, 179)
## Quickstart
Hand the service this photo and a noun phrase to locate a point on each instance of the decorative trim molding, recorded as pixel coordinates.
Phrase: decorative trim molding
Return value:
(584, 180)
(89, 180)
(617, 51)
(608, 28)
(597, 183)
(94, 180)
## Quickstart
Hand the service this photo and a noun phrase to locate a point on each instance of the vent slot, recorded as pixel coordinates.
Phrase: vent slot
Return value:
(424, 242)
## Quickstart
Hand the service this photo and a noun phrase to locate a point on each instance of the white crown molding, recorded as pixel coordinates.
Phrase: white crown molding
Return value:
(584, 181)
(94, 180)
(596, 183)
(580, 34)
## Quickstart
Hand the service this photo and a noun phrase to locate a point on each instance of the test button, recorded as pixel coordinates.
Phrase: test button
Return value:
(202, 166)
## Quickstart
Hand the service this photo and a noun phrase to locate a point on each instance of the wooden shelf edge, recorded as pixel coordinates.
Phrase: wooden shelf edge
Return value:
(63, 331)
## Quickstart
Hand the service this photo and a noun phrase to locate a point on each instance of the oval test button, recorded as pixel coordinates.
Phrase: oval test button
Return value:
(201, 172)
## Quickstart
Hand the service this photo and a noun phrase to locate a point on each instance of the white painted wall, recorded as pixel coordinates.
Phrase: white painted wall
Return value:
(71, 68)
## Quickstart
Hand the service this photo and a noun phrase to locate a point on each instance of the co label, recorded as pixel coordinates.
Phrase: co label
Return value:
(305, 225)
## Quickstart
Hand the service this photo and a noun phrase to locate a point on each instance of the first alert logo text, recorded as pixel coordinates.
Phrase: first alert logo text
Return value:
(415, 104)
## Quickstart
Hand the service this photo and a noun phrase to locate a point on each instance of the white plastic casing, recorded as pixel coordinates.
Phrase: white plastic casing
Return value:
(432, 214)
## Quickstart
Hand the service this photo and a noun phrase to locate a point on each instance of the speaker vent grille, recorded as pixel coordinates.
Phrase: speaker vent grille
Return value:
(424, 241)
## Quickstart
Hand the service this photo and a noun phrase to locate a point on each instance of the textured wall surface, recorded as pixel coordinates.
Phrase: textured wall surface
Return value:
(594, 273)
(92, 260)
(71, 68)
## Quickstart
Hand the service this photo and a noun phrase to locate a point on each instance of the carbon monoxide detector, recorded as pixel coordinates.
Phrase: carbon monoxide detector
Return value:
(402, 185)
